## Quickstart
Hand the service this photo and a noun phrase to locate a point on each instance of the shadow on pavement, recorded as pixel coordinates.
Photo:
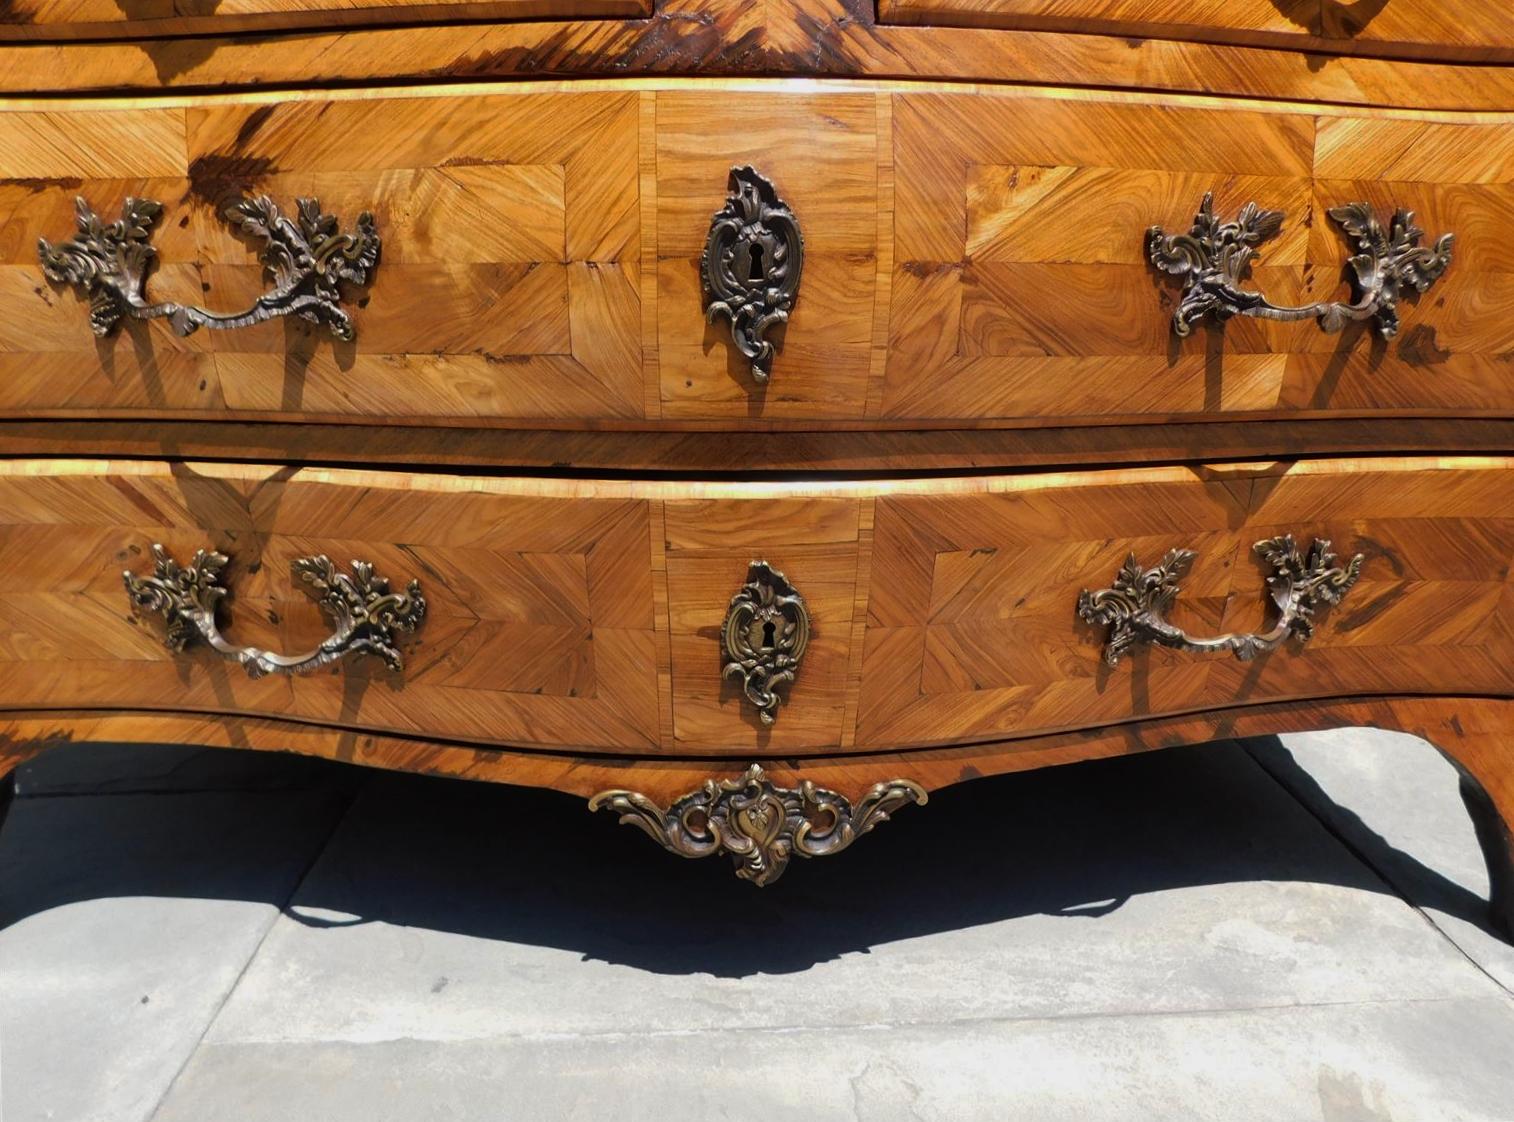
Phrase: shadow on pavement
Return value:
(534, 867)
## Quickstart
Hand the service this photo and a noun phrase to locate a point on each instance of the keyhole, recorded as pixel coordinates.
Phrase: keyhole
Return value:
(769, 632)
(756, 273)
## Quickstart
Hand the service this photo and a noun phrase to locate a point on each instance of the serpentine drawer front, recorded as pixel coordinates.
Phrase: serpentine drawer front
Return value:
(737, 618)
(981, 259)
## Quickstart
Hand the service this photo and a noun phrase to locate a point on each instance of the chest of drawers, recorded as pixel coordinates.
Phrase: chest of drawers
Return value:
(732, 414)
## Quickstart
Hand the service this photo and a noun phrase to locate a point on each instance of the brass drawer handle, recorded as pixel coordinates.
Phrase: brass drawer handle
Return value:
(752, 260)
(367, 614)
(764, 635)
(308, 258)
(1214, 258)
(1134, 608)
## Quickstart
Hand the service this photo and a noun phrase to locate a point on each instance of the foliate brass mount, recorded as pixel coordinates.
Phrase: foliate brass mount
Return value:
(760, 824)
(764, 635)
(309, 258)
(1214, 257)
(366, 613)
(751, 265)
(1135, 607)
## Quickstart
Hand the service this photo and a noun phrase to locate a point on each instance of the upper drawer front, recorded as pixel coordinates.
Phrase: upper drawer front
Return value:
(1023, 287)
(1470, 29)
(968, 258)
(74, 19)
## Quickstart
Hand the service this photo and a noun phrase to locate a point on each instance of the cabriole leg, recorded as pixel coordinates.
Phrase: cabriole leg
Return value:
(1498, 850)
(7, 794)
(1478, 737)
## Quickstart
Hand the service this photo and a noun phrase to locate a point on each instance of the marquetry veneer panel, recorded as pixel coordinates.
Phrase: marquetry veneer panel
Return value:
(972, 258)
(508, 286)
(970, 619)
(586, 615)
(1021, 288)
(540, 626)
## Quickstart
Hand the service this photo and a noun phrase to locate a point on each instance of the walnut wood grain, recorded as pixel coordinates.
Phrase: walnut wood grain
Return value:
(1461, 29)
(1473, 732)
(32, 20)
(799, 38)
(972, 259)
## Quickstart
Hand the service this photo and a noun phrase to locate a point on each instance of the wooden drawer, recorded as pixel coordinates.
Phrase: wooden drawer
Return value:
(971, 258)
(78, 19)
(1463, 29)
(588, 615)
(559, 614)
(971, 630)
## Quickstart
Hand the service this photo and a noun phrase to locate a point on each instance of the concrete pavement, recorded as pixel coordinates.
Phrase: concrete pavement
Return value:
(1281, 930)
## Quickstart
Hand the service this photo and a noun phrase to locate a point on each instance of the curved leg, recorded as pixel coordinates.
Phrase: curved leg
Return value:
(1478, 737)
(7, 794)
(14, 752)
(1497, 848)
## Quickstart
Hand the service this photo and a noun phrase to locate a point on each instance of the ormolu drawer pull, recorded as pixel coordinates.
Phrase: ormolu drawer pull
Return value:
(1135, 608)
(308, 258)
(752, 260)
(759, 823)
(367, 614)
(1214, 257)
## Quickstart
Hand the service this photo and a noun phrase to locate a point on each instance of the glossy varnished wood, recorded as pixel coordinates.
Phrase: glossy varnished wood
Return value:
(763, 452)
(33, 20)
(585, 615)
(969, 621)
(509, 285)
(803, 38)
(977, 409)
(1020, 284)
(540, 624)
(972, 258)
(1462, 29)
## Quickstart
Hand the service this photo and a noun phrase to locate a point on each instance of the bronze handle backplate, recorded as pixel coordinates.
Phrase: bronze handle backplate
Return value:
(752, 261)
(366, 613)
(1214, 257)
(1135, 607)
(309, 258)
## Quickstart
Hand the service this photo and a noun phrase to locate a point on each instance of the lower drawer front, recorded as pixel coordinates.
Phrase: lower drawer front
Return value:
(971, 616)
(588, 615)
